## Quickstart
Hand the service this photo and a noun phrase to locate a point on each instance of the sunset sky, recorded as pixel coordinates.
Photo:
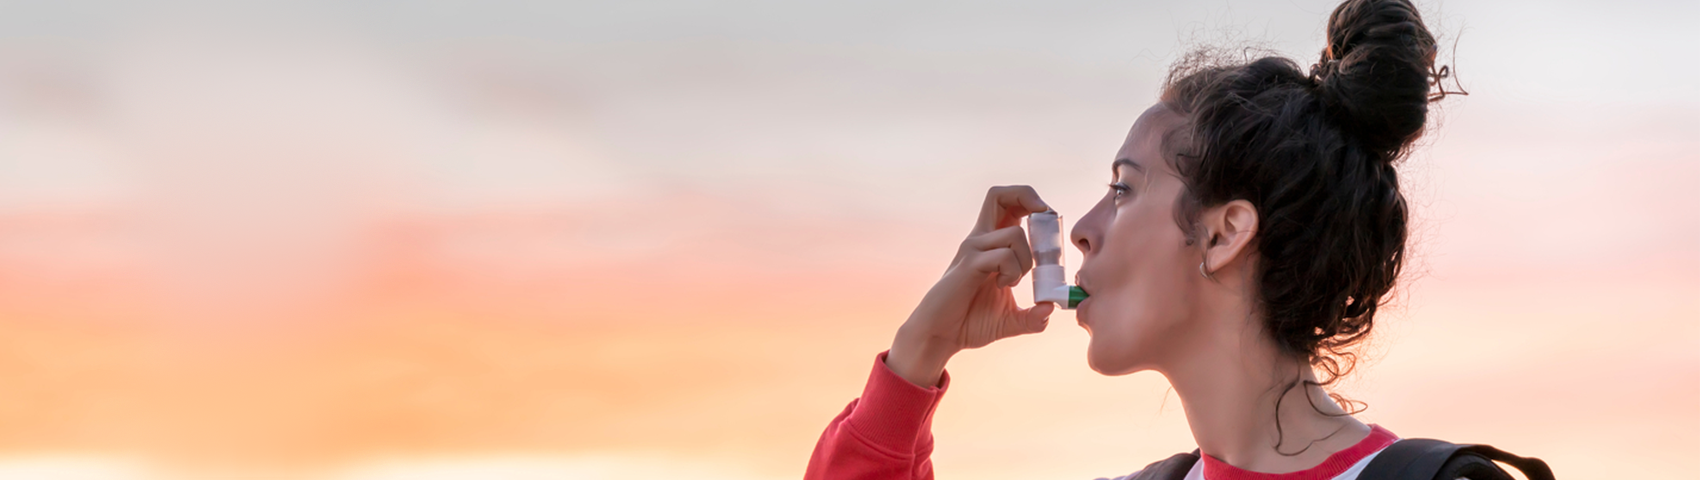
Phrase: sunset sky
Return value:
(364, 240)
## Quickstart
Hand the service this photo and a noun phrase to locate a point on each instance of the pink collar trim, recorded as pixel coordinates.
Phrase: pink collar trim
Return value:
(1336, 464)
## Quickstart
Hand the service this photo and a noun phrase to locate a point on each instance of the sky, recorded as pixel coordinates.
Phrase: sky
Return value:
(368, 240)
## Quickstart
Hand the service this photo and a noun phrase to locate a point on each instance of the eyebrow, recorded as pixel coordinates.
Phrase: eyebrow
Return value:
(1114, 166)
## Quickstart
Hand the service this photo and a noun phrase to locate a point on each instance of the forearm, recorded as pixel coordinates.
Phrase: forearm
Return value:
(918, 357)
(885, 434)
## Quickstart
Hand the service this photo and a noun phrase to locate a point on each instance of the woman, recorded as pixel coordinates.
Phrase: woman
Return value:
(1253, 225)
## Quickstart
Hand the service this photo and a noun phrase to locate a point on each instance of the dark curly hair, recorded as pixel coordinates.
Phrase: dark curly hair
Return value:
(1314, 152)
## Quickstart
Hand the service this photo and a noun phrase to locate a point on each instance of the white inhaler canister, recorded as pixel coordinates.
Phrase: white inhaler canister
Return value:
(1044, 234)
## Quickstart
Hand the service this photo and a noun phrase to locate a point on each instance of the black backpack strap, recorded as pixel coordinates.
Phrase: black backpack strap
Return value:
(1424, 459)
(1172, 468)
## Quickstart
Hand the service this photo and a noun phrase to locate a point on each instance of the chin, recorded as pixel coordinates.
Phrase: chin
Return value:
(1107, 361)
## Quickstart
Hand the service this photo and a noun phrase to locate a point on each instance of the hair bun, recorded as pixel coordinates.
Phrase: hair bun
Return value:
(1374, 76)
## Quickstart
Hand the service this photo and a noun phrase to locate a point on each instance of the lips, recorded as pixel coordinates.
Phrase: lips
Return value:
(1080, 309)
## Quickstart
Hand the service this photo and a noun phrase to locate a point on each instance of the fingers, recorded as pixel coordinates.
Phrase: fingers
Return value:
(1001, 261)
(1005, 205)
(1012, 238)
(1034, 320)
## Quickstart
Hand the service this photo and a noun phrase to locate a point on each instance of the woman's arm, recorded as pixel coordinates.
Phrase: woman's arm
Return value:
(886, 434)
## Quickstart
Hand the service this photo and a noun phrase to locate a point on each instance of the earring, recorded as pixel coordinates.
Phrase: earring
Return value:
(1201, 270)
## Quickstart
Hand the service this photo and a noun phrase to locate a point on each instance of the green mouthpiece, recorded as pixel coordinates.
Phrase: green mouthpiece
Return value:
(1075, 295)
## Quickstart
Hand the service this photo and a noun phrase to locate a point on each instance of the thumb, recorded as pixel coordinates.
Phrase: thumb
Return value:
(1034, 320)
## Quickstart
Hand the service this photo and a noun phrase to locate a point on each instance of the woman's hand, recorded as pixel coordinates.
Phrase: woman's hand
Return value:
(971, 306)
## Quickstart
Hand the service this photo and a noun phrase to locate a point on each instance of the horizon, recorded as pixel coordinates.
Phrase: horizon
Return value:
(364, 240)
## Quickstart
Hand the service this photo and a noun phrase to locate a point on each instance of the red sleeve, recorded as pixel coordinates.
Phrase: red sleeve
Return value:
(886, 434)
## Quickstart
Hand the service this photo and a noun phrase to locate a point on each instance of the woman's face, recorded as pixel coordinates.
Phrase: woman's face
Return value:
(1138, 270)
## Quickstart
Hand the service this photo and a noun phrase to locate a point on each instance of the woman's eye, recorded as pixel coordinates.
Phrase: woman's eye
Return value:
(1120, 189)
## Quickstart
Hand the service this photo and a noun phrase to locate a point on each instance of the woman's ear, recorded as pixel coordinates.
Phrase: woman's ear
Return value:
(1229, 231)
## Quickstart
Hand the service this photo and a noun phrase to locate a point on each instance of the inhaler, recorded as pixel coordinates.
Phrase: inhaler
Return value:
(1044, 234)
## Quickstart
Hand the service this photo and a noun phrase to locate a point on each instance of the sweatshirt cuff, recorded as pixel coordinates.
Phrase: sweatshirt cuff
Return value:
(894, 413)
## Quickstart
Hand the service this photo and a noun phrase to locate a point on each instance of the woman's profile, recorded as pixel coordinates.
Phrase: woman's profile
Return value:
(1254, 222)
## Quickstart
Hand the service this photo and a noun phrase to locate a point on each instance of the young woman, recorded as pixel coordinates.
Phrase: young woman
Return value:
(1253, 224)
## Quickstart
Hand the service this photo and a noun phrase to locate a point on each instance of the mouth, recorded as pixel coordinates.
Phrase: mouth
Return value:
(1080, 308)
(1078, 282)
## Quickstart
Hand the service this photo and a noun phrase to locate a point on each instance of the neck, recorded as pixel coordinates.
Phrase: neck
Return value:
(1229, 388)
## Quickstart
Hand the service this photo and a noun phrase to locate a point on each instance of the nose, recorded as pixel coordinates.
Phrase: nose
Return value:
(1088, 233)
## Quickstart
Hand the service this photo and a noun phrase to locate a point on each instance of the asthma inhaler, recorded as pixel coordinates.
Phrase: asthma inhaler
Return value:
(1044, 234)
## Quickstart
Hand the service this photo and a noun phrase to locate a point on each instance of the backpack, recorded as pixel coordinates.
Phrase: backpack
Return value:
(1409, 459)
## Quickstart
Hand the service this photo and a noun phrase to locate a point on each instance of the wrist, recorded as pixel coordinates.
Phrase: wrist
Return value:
(920, 359)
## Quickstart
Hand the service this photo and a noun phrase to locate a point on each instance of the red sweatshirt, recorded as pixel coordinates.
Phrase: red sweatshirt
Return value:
(887, 435)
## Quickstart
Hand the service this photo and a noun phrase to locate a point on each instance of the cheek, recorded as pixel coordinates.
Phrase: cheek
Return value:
(1146, 293)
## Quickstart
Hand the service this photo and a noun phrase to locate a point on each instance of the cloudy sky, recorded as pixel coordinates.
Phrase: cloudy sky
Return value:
(363, 240)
